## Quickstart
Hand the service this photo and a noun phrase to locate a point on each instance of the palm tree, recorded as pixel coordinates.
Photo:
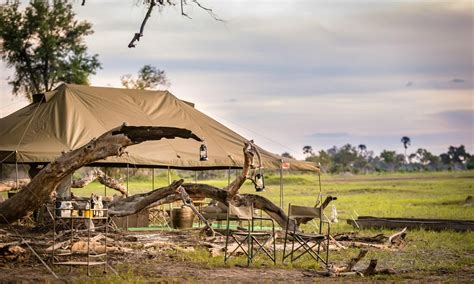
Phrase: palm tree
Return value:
(406, 142)
(362, 148)
(307, 150)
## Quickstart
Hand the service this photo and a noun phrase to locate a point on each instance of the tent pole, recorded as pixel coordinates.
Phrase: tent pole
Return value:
(16, 169)
(128, 177)
(169, 176)
(105, 177)
(281, 185)
(169, 183)
(152, 178)
(320, 188)
(228, 178)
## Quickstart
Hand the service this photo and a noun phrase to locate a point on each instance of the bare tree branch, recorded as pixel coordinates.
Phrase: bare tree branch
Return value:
(137, 36)
(208, 10)
(111, 143)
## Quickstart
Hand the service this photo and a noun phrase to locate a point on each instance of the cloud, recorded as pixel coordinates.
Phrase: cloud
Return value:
(457, 119)
(330, 135)
(457, 80)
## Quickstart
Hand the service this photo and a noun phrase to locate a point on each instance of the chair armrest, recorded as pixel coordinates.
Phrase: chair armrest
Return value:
(265, 219)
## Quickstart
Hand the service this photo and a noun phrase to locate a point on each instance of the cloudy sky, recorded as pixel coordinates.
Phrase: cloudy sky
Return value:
(290, 73)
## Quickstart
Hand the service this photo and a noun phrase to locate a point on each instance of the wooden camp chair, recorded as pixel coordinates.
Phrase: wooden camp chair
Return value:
(306, 243)
(249, 241)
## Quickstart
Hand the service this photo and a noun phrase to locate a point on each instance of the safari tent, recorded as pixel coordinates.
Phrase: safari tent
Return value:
(71, 115)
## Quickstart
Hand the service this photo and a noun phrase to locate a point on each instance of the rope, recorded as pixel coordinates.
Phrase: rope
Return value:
(257, 133)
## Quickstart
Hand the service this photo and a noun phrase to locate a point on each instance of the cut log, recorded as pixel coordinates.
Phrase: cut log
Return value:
(111, 143)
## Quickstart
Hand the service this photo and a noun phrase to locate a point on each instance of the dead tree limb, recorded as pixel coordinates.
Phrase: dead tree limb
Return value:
(137, 36)
(100, 176)
(249, 153)
(133, 204)
(111, 143)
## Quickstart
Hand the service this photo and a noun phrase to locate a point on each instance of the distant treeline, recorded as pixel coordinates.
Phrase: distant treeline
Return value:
(358, 159)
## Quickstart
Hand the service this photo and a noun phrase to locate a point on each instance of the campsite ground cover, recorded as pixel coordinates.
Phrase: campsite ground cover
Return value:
(427, 255)
(436, 255)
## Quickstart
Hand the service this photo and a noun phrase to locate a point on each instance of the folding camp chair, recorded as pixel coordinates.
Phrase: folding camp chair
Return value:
(249, 241)
(306, 242)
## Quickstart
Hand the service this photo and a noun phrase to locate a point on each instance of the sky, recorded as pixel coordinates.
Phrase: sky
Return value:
(290, 73)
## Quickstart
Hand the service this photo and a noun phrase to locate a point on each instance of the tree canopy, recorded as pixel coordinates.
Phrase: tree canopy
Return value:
(149, 78)
(44, 44)
(348, 159)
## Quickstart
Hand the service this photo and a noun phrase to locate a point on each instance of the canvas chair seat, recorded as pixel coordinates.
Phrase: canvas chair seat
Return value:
(308, 236)
(251, 243)
(242, 233)
(306, 243)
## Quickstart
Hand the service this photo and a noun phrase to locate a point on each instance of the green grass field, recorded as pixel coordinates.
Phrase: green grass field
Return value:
(423, 195)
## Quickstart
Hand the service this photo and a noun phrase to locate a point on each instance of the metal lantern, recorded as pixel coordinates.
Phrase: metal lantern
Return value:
(259, 182)
(203, 153)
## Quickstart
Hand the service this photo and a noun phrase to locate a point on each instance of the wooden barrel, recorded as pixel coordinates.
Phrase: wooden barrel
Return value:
(182, 218)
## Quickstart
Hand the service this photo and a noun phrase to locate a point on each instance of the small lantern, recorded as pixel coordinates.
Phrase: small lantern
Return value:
(203, 153)
(259, 182)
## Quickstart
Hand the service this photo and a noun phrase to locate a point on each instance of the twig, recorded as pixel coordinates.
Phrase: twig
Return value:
(396, 235)
(137, 36)
(182, 9)
(208, 10)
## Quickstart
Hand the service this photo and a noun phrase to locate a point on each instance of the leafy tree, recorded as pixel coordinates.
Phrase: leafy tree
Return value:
(345, 157)
(287, 155)
(406, 142)
(307, 150)
(44, 43)
(149, 78)
(362, 149)
(456, 157)
(322, 158)
(458, 154)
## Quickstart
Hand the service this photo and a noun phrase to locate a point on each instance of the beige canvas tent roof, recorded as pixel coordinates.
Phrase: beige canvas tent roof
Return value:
(71, 115)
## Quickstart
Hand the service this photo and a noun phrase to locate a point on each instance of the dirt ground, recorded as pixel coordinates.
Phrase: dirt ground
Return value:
(168, 270)
(159, 262)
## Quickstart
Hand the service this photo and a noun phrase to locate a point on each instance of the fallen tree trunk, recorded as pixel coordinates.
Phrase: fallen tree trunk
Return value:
(111, 143)
(13, 185)
(99, 175)
(138, 202)
(39, 190)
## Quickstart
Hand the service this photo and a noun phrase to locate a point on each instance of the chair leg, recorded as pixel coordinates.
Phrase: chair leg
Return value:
(250, 249)
(274, 246)
(327, 246)
(226, 244)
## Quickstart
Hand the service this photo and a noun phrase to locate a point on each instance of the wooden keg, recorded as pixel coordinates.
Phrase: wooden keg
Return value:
(182, 218)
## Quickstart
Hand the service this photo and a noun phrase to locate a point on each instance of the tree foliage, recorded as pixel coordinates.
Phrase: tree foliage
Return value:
(287, 155)
(44, 44)
(307, 150)
(149, 78)
(406, 141)
(360, 160)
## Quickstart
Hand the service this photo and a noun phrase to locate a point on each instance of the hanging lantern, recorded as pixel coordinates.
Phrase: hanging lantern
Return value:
(259, 182)
(203, 153)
